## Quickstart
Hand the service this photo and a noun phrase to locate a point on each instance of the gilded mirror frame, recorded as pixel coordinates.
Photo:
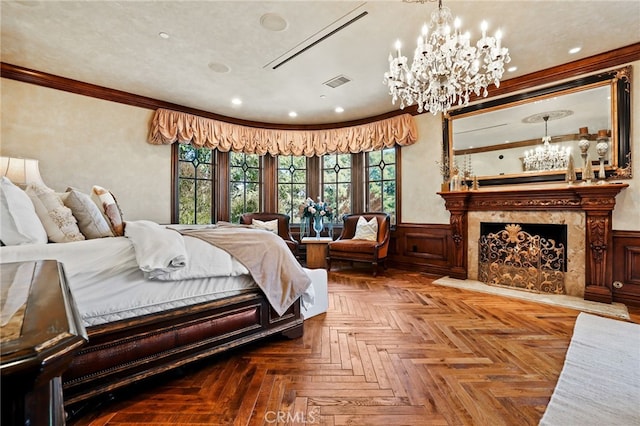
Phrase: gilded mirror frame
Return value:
(619, 81)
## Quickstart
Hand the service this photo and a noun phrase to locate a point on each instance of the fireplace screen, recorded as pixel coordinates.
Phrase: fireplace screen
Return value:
(525, 256)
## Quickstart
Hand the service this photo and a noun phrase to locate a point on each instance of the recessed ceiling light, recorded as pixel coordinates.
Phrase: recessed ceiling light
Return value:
(218, 67)
(339, 109)
(323, 96)
(236, 101)
(575, 50)
(293, 114)
(273, 22)
(163, 35)
(512, 69)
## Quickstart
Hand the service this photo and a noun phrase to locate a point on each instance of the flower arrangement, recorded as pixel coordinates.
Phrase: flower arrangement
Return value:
(310, 208)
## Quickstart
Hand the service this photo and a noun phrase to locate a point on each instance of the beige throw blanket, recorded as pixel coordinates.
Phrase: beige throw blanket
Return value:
(267, 258)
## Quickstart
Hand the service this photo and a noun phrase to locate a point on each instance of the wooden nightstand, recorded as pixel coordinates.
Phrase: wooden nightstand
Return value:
(317, 251)
(41, 331)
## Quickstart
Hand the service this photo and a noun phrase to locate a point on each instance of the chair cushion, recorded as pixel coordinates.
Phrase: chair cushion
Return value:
(366, 230)
(270, 225)
(353, 246)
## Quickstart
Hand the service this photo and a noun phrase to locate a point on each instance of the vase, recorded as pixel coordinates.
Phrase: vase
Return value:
(318, 225)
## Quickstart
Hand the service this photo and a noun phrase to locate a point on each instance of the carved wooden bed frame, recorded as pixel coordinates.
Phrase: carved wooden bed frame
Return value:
(127, 351)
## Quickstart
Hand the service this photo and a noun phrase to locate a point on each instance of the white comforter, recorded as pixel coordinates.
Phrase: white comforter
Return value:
(108, 283)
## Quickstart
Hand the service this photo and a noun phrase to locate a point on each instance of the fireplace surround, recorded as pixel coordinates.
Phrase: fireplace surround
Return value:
(585, 209)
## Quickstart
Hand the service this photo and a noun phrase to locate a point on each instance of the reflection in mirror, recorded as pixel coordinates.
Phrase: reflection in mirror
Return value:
(534, 137)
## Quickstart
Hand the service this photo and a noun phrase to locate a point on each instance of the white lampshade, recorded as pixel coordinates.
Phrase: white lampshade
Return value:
(21, 171)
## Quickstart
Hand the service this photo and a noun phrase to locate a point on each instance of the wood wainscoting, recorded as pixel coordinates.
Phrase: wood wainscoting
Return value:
(626, 267)
(428, 248)
(422, 247)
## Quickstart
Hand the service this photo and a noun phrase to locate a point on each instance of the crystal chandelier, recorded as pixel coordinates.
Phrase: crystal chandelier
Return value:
(446, 68)
(546, 157)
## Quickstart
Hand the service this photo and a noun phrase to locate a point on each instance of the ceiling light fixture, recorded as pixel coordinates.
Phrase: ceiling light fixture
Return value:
(547, 156)
(293, 114)
(163, 35)
(236, 101)
(339, 110)
(446, 68)
(574, 50)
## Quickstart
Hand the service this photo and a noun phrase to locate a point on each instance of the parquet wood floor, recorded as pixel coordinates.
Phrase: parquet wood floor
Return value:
(391, 350)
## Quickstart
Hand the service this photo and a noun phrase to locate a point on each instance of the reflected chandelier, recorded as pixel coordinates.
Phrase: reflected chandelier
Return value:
(446, 68)
(547, 156)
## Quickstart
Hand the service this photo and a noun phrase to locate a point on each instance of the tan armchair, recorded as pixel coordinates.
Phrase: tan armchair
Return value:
(283, 227)
(374, 252)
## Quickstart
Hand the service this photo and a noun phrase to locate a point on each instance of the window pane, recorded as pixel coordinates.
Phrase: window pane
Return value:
(186, 201)
(195, 184)
(292, 178)
(336, 183)
(381, 182)
(244, 185)
(186, 169)
(389, 172)
(204, 196)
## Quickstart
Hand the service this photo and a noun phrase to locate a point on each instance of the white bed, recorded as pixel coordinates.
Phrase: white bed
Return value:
(152, 298)
(108, 284)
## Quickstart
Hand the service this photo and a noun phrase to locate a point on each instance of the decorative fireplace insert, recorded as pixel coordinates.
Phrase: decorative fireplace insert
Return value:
(530, 257)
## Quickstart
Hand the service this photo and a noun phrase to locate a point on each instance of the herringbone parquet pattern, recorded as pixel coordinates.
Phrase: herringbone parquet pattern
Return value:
(391, 350)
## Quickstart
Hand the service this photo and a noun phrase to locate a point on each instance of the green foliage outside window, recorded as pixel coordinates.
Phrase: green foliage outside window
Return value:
(195, 184)
(336, 183)
(292, 185)
(244, 184)
(381, 181)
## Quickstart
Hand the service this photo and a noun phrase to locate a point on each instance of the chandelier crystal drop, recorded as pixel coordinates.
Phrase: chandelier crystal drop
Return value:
(446, 67)
(546, 157)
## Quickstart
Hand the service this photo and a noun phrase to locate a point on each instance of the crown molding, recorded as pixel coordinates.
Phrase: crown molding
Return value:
(588, 65)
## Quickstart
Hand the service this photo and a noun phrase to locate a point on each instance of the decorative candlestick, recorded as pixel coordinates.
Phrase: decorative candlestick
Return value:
(602, 147)
(584, 145)
(570, 177)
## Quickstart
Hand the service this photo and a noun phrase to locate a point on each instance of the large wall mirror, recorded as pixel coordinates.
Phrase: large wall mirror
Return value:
(532, 137)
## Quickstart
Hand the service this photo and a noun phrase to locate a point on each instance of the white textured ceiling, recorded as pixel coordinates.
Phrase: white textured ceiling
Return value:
(116, 45)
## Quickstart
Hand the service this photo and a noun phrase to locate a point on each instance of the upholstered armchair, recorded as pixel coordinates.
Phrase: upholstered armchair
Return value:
(357, 250)
(283, 227)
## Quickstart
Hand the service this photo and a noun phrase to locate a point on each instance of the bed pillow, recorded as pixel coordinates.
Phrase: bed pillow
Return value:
(271, 225)
(109, 208)
(91, 222)
(366, 230)
(58, 220)
(19, 223)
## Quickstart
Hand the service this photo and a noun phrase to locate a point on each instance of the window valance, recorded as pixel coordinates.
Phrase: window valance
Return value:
(173, 126)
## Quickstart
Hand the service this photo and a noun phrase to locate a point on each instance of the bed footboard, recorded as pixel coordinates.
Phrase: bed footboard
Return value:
(128, 351)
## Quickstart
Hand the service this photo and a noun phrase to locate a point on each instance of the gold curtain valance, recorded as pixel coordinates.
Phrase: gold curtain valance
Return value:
(173, 126)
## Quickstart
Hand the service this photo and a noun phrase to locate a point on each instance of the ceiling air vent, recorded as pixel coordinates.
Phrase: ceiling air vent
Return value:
(337, 81)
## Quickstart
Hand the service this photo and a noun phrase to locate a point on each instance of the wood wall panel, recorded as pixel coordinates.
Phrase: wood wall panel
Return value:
(626, 267)
(421, 247)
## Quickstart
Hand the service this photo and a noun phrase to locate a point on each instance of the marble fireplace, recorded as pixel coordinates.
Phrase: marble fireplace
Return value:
(584, 209)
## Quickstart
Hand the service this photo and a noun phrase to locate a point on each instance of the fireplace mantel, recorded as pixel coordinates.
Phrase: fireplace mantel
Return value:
(596, 201)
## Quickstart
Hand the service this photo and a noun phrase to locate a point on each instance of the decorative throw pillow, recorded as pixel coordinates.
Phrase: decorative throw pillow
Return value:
(366, 230)
(58, 221)
(110, 208)
(271, 225)
(91, 222)
(19, 223)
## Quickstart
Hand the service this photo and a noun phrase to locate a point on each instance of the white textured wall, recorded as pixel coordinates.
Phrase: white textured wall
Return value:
(421, 176)
(82, 141)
